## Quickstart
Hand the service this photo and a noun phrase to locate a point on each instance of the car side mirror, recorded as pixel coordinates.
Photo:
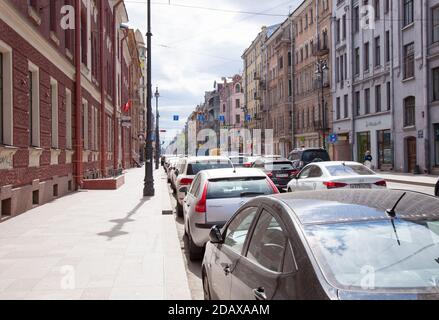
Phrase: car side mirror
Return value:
(215, 235)
(184, 190)
(176, 172)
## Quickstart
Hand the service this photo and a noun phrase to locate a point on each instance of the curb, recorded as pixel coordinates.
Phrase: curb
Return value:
(421, 184)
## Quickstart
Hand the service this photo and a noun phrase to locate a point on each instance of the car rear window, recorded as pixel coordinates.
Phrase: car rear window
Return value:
(195, 167)
(278, 166)
(236, 188)
(373, 255)
(313, 155)
(349, 170)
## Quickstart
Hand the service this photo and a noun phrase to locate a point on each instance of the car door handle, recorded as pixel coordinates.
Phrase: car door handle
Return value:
(227, 270)
(259, 294)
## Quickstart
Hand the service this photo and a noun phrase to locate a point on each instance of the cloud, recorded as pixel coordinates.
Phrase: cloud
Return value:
(193, 47)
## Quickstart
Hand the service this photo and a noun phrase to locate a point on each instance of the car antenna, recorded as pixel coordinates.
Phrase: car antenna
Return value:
(392, 214)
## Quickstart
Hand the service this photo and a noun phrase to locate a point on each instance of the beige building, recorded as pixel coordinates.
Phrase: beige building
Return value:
(253, 58)
(312, 38)
(277, 106)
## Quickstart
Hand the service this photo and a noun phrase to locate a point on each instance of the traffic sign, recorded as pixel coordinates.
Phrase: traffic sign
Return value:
(248, 117)
(201, 118)
(333, 138)
(222, 118)
(176, 118)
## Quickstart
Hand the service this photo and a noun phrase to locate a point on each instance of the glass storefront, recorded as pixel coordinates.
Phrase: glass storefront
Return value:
(363, 142)
(385, 150)
(436, 144)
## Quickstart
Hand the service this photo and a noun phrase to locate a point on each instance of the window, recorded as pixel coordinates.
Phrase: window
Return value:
(1, 98)
(377, 52)
(238, 229)
(378, 98)
(54, 105)
(343, 27)
(435, 24)
(366, 56)
(85, 124)
(408, 12)
(367, 101)
(34, 105)
(385, 152)
(337, 110)
(268, 243)
(6, 95)
(389, 97)
(377, 9)
(436, 143)
(357, 61)
(409, 111)
(356, 19)
(68, 119)
(435, 90)
(238, 88)
(238, 119)
(346, 106)
(387, 46)
(357, 103)
(409, 61)
(238, 103)
(53, 15)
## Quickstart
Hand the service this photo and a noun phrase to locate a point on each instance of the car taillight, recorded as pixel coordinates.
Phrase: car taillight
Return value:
(381, 183)
(185, 181)
(248, 165)
(200, 207)
(334, 185)
(270, 174)
(273, 186)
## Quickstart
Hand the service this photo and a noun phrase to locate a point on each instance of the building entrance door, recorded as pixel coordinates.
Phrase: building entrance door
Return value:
(411, 154)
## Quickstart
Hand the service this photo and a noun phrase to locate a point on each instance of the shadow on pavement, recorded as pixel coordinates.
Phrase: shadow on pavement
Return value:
(116, 231)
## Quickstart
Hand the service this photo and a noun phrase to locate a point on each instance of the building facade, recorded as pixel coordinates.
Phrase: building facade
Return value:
(231, 102)
(60, 97)
(312, 83)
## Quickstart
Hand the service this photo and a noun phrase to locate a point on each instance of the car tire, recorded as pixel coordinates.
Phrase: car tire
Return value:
(195, 252)
(179, 210)
(436, 190)
(206, 288)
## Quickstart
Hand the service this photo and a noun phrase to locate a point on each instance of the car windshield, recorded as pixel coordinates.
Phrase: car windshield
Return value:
(349, 170)
(371, 255)
(278, 166)
(312, 155)
(195, 167)
(236, 188)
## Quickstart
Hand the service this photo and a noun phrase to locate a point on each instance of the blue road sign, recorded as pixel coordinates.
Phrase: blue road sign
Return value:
(176, 118)
(333, 138)
(201, 118)
(222, 118)
(248, 117)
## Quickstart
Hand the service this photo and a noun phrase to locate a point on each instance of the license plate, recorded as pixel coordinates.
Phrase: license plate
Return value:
(282, 176)
(361, 186)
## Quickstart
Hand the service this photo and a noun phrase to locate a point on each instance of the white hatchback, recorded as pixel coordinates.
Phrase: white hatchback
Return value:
(336, 175)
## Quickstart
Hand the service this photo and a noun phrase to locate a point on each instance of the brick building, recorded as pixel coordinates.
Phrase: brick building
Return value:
(61, 97)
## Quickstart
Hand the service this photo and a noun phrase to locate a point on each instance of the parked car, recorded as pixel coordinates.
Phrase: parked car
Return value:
(172, 164)
(280, 171)
(214, 197)
(340, 244)
(305, 156)
(335, 175)
(250, 161)
(238, 161)
(436, 189)
(186, 170)
(167, 161)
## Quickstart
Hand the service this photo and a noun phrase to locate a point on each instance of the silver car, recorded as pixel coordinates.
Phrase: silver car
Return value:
(214, 196)
(186, 170)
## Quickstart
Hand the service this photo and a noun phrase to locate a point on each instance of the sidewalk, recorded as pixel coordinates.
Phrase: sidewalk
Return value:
(95, 245)
(408, 178)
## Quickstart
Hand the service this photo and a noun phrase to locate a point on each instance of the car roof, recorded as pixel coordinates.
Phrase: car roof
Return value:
(233, 173)
(207, 158)
(338, 206)
(335, 163)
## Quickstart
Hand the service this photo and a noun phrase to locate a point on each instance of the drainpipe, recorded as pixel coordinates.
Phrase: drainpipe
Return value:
(115, 122)
(353, 110)
(427, 145)
(102, 87)
(392, 84)
(293, 138)
(121, 101)
(78, 98)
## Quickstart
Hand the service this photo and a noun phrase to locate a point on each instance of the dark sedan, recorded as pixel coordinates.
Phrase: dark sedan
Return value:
(280, 171)
(350, 244)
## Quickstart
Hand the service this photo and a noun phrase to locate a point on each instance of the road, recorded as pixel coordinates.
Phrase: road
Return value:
(193, 269)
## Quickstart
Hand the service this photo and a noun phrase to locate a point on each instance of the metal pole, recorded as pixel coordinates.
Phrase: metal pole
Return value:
(157, 131)
(323, 104)
(148, 189)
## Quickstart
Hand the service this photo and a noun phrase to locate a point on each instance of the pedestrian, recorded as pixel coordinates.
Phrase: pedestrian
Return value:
(368, 159)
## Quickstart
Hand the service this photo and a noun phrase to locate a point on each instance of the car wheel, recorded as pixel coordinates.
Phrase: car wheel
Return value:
(436, 191)
(179, 210)
(195, 252)
(206, 289)
(289, 190)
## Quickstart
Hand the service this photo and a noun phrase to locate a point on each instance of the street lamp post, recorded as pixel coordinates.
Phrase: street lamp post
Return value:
(157, 130)
(321, 67)
(148, 187)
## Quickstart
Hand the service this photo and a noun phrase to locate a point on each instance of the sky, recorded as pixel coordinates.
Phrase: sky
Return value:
(194, 47)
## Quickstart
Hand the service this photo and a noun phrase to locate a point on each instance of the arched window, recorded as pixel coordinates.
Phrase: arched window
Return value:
(409, 111)
(238, 88)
